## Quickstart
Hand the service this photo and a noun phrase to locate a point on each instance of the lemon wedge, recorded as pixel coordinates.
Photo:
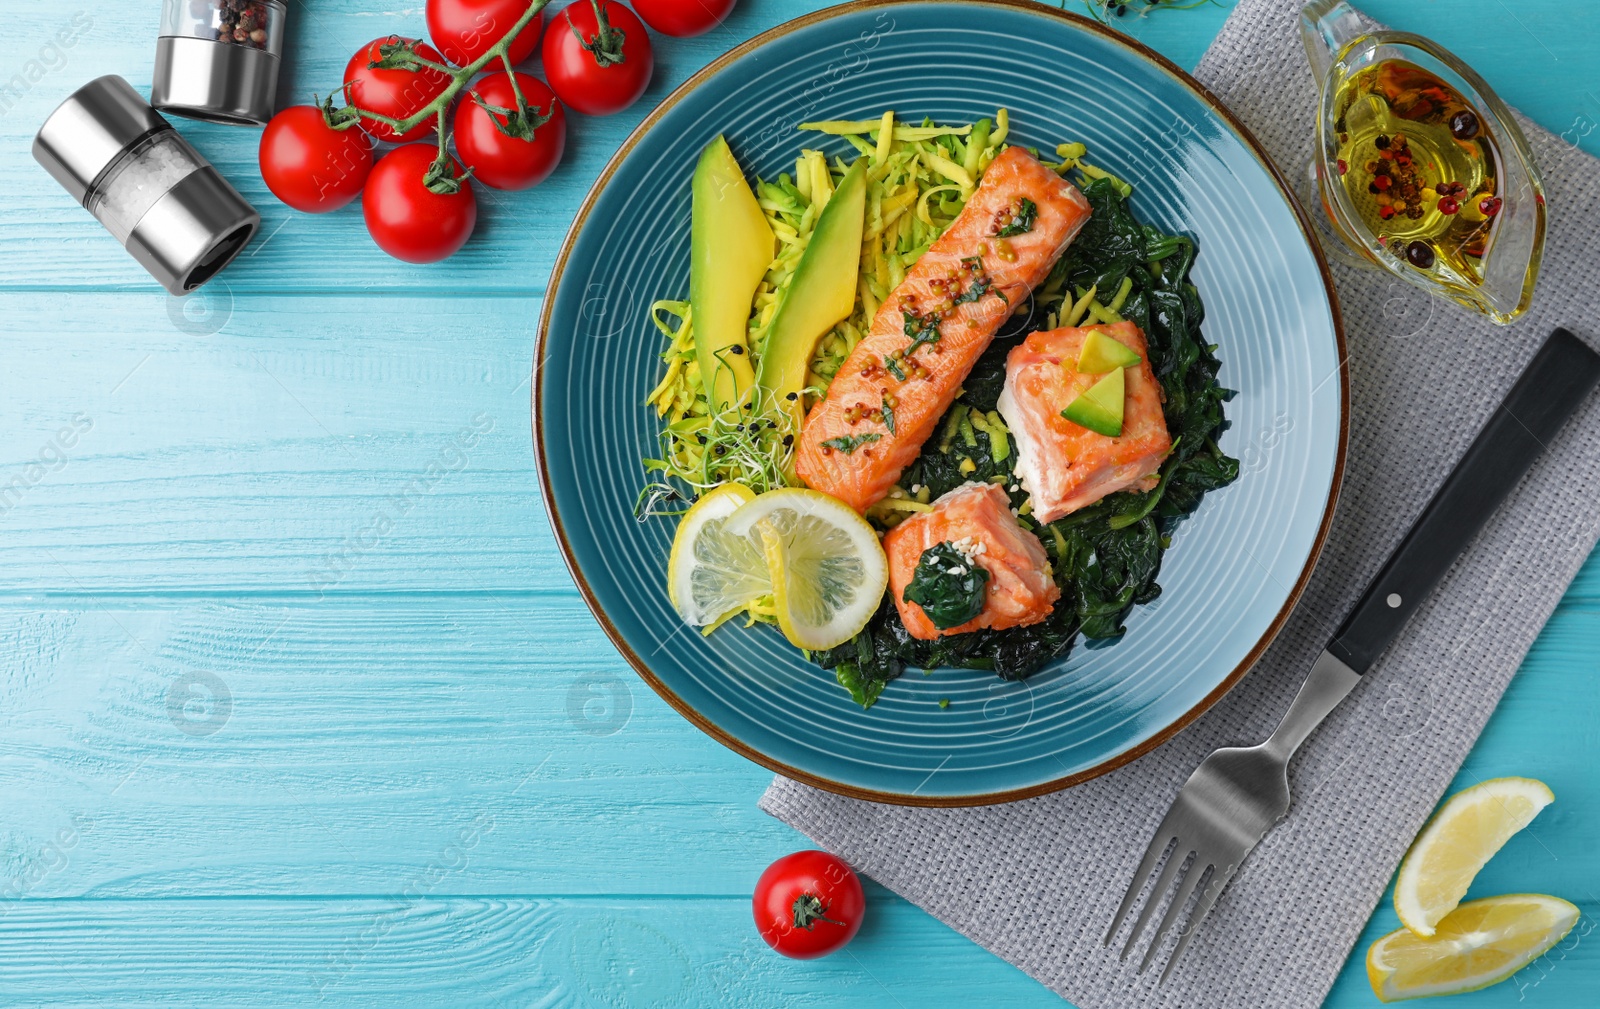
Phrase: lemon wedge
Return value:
(710, 572)
(1463, 835)
(827, 568)
(1480, 943)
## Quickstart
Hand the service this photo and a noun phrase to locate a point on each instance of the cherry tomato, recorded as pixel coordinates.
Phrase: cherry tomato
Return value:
(597, 57)
(396, 93)
(465, 29)
(408, 220)
(808, 904)
(310, 165)
(498, 158)
(683, 17)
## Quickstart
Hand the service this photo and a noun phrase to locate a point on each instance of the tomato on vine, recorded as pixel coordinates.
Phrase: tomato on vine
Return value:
(418, 202)
(808, 904)
(683, 17)
(597, 57)
(310, 165)
(507, 148)
(419, 207)
(466, 29)
(391, 77)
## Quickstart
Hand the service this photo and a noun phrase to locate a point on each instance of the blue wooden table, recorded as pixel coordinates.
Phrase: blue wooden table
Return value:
(298, 702)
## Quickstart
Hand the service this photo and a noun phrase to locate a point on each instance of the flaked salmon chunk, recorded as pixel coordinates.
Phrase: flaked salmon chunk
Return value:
(1061, 465)
(932, 328)
(976, 518)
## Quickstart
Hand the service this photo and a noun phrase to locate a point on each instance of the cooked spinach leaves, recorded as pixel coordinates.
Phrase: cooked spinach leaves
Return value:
(948, 585)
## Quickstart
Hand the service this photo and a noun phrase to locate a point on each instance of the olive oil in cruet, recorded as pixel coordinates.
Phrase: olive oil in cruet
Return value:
(1420, 168)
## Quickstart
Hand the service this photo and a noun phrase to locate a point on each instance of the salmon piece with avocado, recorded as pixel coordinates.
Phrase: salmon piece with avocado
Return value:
(971, 526)
(890, 392)
(1062, 465)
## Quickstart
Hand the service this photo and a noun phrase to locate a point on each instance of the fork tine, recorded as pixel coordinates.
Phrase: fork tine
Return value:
(1202, 908)
(1180, 854)
(1158, 844)
(1180, 898)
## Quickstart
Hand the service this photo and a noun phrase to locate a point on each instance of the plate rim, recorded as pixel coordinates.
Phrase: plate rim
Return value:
(704, 724)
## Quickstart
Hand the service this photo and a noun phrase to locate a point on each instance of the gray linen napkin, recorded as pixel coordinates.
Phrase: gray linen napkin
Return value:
(1037, 881)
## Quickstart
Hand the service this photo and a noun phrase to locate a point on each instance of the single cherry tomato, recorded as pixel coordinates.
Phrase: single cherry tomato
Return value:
(506, 150)
(310, 165)
(397, 92)
(808, 904)
(683, 17)
(597, 57)
(466, 29)
(407, 213)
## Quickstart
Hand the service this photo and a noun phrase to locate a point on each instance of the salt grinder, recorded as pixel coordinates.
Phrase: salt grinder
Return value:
(156, 194)
(217, 60)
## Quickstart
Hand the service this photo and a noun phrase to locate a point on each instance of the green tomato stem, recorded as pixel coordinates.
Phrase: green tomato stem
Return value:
(441, 176)
(607, 45)
(516, 89)
(444, 153)
(459, 76)
(443, 68)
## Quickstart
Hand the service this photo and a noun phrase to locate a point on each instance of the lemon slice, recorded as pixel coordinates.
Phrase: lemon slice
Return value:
(711, 573)
(1480, 943)
(827, 567)
(1463, 835)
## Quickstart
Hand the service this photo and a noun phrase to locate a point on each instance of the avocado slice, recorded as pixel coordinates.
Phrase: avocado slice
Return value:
(821, 292)
(730, 247)
(1101, 353)
(1099, 408)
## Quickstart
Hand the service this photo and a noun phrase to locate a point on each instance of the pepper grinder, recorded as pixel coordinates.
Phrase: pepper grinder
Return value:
(217, 60)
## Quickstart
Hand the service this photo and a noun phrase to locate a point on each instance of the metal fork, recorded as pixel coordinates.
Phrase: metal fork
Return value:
(1228, 804)
(1236, 795)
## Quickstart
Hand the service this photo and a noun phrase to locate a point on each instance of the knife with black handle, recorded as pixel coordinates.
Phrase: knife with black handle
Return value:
(1550, 390)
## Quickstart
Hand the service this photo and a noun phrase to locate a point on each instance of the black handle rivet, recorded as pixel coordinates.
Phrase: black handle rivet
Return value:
(1393, 600)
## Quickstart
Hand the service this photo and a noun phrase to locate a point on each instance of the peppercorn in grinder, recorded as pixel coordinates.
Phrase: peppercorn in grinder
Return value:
(217, 60)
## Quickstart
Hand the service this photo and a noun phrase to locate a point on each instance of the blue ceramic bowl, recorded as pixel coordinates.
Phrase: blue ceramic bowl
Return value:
(1235, 567)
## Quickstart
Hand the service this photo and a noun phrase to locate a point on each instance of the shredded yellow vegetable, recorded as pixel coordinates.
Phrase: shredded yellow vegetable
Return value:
(1123, 291)
(843, 127)
(1081, 306)
(1099, 173)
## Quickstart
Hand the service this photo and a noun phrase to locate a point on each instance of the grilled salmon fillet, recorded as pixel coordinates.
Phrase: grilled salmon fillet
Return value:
(977, 518)
(1061, 465)
(899, 380)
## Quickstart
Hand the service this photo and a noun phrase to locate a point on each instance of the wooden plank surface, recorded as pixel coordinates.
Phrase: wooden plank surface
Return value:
(245, 762)
(501, 953)
(265, 456)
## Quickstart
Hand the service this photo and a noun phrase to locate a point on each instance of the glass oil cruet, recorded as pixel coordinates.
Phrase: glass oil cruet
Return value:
(1420, 167)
